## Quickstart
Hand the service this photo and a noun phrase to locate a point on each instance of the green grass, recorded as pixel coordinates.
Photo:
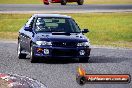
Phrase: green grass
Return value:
(21, 1)
(86, 2)
(107, 28)
(114, 29)
(108, 1)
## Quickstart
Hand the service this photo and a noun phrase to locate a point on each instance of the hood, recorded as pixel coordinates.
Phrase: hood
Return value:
(63, 37)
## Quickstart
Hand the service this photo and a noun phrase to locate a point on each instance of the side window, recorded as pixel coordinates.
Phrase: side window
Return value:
(30, 22)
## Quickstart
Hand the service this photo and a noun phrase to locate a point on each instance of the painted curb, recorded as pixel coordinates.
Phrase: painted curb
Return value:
(17, 81)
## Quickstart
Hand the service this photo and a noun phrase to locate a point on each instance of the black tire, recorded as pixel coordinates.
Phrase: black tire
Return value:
(19, 52)
(84, 60)
(63, 2)
(46, 3)
(80, 2)
(33, 59)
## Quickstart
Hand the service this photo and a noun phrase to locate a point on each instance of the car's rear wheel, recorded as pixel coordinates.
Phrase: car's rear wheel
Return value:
(19, 52)
(63, 2)
(84, 60)
(46, 3)
(80, 2)
(33, 59)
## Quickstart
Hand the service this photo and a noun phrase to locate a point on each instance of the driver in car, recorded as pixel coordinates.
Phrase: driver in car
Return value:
(41, 25)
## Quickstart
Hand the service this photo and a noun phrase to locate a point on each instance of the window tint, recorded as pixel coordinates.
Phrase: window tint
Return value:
(53, 24)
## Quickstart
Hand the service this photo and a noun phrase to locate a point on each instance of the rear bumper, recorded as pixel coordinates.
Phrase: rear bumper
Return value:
(66, 52)
(52, 1)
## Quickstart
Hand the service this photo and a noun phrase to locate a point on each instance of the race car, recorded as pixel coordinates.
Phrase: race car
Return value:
(63, 2)
(52, 36)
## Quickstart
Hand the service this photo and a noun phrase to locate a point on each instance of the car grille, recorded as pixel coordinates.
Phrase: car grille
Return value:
(57, 52)
(64, 44)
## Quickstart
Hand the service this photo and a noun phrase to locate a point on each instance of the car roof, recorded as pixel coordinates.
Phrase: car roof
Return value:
(51, 15)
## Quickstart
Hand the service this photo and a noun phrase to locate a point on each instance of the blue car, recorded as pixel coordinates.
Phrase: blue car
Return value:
(52, 36)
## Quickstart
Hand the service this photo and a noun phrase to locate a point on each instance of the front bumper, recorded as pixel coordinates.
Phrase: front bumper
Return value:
(67, 52)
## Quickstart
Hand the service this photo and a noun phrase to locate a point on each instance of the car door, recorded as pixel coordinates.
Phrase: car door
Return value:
(29, 34)
(21, 37)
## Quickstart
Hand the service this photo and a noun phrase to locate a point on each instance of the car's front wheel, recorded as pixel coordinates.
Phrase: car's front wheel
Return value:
(80, 2)
(33, 59)
(84, 60)
(63, 2)
(19, 52)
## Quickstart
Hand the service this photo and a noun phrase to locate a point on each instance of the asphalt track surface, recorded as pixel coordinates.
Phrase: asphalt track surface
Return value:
(69, 8)
(61, 73)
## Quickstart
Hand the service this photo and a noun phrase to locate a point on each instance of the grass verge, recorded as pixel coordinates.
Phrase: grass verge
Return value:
(86, 2)
(114, 29)
(21, 2)
(108, 1)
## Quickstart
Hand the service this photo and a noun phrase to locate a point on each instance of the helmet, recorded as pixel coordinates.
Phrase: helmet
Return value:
(40, 21)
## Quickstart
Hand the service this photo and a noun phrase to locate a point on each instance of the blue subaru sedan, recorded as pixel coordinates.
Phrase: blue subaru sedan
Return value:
(53, 36)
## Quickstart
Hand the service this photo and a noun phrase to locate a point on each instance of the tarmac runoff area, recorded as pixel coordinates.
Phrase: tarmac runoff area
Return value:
(69, 8)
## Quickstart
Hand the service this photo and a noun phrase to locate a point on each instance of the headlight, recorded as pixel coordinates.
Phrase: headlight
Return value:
(43, 43)
(83, 44)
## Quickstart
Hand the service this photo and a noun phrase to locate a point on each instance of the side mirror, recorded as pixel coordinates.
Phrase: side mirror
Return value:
(28, 29)
(85, 31)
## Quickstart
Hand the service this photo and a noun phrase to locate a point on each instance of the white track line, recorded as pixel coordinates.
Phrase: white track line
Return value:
(68, 11)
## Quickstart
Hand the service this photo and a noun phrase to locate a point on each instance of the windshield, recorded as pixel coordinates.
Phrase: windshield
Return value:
(53, 24)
